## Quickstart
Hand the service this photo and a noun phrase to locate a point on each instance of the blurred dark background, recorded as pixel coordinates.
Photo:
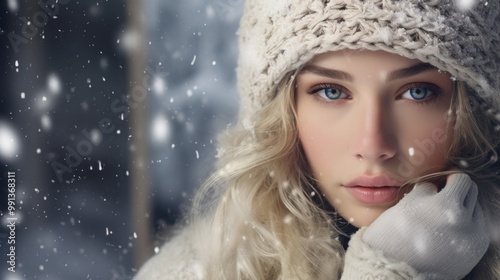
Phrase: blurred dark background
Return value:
(109, 112)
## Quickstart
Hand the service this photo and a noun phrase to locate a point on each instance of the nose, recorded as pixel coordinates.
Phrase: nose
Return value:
(374, 133)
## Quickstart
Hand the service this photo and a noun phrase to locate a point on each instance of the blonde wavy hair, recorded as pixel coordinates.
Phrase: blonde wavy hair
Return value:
(262, 217)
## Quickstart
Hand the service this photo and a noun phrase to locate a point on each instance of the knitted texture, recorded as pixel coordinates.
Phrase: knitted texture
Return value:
(280, 36)
(441, 234)
(363, 262)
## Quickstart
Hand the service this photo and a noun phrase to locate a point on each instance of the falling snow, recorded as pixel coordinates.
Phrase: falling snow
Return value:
(46, 122)
(160, 129)
(159, 85)
(494, 158)
(71, 103)
(54, 84)
(13, 5)
(9, 141)
(288, 219)
(466, 5)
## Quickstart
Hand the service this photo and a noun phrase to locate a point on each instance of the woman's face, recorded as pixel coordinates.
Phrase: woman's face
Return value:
(368, 121)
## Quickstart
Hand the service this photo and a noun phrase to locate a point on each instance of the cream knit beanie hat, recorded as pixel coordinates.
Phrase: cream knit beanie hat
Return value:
(279, 36)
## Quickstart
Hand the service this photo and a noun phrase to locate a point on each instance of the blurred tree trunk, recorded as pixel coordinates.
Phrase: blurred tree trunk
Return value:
(138, 90)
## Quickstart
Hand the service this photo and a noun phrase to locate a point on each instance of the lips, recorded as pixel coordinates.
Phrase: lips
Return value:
(379, 189)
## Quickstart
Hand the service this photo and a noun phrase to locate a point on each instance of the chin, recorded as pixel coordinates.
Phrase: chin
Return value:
(363, 217)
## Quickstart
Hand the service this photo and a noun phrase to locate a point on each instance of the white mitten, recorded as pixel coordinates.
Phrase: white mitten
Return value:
(441, 235)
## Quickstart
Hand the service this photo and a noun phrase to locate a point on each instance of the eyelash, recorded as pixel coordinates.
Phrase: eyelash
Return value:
(316, 89)
(436, 92)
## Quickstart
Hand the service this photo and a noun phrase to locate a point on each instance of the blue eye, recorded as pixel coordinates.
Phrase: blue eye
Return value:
(330, 93)
(418, 93)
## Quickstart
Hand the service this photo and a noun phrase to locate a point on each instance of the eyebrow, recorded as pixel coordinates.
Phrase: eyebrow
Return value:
(326, 72)
(341, 75)
(410, 71)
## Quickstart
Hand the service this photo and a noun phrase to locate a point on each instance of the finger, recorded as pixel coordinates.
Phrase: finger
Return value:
(478, 214)
(470, 201)
(422, 189)
(458, 187)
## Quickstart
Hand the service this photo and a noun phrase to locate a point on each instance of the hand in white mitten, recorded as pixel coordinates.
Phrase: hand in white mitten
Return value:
(441, 235)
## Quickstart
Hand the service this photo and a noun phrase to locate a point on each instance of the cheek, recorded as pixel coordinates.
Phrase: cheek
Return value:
(321, 142)
(312, 140)
(424, 147)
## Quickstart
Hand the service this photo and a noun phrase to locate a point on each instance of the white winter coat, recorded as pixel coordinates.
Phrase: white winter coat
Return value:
(177, 261)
